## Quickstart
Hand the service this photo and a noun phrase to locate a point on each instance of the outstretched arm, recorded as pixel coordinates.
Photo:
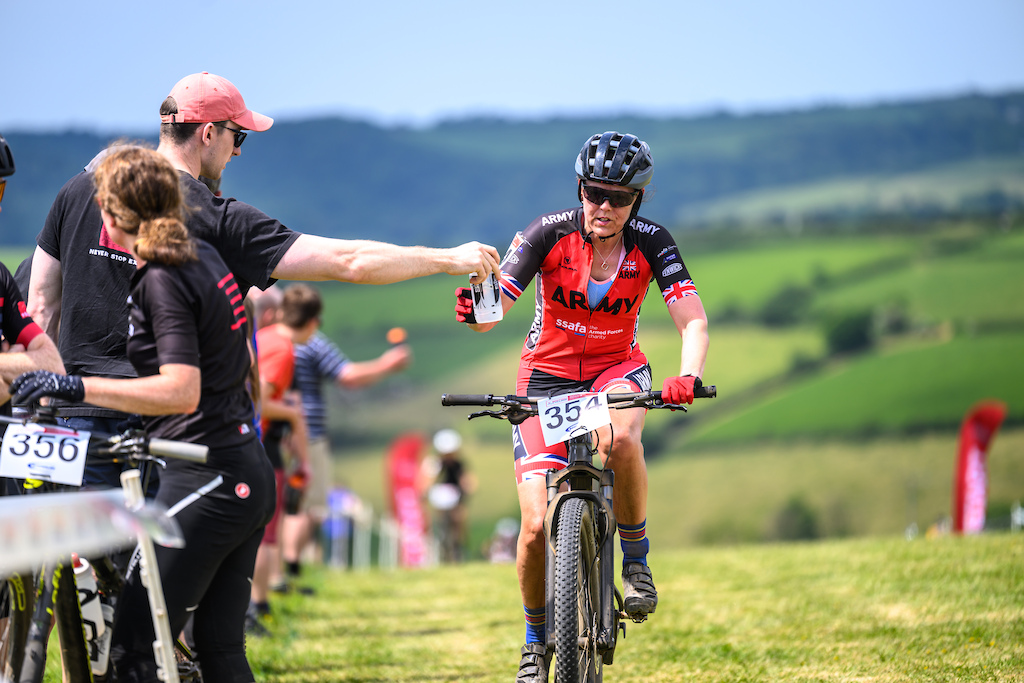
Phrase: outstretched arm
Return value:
(366, 262)
(355, 375)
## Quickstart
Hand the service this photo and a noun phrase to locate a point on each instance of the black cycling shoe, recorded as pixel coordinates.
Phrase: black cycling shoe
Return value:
(639, 595)
(533, 667)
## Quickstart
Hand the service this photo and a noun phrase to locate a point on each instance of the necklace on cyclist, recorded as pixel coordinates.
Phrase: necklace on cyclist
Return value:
(604, 258)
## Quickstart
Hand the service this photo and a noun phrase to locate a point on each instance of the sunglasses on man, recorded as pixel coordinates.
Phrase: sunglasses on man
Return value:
(239, 134)
(617, 198)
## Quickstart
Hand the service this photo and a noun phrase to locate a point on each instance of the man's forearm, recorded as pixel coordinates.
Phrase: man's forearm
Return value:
(366, 262)
(44, 292)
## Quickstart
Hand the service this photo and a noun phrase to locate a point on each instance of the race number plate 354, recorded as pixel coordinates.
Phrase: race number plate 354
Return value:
(49, 453)
(563, 417)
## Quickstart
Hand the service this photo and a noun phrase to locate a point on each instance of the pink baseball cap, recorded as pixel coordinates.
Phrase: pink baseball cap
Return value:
(206, 98)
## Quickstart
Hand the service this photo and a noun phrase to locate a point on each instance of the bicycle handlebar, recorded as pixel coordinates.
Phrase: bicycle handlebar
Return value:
(182, 450)
(524, 406)
(132, 443)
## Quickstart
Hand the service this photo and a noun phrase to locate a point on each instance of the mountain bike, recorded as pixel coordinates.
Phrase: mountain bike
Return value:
(49, 459)
(583, 603)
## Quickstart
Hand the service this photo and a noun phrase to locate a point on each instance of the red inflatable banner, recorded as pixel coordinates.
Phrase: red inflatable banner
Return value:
(970, 487)
(403, 465)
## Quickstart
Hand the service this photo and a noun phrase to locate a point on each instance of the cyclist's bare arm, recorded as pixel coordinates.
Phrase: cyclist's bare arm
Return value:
(359, 374)
(688, 314)
(44, 292)
(366, 262)
(174, 391)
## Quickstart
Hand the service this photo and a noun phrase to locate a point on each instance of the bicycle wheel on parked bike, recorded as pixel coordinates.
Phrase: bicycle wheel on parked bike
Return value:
(17, 597)
(577, 595)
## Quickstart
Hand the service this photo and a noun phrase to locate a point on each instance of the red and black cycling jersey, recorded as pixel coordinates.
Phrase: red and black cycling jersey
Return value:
(570, 336)
(16, 326)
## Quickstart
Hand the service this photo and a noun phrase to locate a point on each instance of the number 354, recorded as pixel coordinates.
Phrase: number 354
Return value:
(569, 411)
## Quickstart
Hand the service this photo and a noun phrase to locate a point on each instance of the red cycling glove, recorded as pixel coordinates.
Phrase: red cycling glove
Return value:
(464, 305)
(679, 390)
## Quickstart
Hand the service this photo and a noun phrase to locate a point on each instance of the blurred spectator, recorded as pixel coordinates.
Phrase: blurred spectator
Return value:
(316, 361)
(278, 331)
(452, 484)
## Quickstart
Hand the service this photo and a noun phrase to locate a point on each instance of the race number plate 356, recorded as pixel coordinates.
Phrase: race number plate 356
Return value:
(563, 417)
(34, 451)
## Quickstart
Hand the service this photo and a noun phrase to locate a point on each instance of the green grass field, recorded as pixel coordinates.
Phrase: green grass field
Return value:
(882, 609)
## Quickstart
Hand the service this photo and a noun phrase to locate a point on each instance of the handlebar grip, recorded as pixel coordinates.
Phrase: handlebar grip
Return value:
(709, 391)
(467, 399)
(193, 452)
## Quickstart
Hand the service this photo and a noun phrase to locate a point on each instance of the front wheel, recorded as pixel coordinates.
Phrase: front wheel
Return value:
(577, 595)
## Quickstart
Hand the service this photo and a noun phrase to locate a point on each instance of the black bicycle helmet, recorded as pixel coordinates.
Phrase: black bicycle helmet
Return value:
(6, 159)
(617, 158)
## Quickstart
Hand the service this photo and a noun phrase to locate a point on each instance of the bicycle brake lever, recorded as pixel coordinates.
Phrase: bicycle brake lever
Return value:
(488, 413)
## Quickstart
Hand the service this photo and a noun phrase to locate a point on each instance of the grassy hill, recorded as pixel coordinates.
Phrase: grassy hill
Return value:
(484, 178)
(863, 442)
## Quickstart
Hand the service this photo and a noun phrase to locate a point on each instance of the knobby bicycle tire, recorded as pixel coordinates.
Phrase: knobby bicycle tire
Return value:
(577, 595)
(57, 596)
(17, 597)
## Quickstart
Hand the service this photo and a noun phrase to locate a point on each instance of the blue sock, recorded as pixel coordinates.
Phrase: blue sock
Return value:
(535, 623)
(633, 539)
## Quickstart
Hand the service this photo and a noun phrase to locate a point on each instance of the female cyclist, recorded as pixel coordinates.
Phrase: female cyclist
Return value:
(187, 342)
(594, 264)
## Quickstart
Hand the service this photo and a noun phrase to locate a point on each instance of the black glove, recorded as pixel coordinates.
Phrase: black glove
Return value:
(464, 305)
(32, 386)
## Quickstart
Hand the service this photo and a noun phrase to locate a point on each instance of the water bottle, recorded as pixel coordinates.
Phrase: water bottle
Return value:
(98, 625)
(487, 307)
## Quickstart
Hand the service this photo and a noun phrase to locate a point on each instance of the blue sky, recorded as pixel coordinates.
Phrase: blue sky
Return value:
(106, 66)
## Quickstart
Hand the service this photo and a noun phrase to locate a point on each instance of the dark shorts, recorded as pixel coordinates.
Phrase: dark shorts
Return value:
(532, 457)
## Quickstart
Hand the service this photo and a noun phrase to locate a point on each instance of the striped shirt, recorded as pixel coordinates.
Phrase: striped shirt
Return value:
(315, 361)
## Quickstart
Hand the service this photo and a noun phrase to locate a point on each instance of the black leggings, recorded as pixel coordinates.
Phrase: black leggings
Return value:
(222, 508)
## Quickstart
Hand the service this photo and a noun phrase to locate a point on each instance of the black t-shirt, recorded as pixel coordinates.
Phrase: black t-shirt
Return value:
(96, 272)
(193, 315)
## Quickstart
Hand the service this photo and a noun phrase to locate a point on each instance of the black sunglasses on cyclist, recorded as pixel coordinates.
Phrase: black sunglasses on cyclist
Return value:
(239, 134)
(617, 198)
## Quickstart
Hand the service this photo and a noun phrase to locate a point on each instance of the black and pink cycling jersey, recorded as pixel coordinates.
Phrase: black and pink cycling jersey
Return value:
(569, 337)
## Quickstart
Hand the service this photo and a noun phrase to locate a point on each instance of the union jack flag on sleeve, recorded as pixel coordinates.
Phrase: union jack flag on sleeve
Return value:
(512, 288)
(677, 290)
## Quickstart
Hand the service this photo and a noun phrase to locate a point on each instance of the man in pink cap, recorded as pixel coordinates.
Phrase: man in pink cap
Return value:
(80, 277)
(205, 97)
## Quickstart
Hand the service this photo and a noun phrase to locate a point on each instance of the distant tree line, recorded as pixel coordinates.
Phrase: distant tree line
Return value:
(485, 178)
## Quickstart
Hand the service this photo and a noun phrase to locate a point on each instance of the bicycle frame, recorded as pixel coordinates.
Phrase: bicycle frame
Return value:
(57, 582)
